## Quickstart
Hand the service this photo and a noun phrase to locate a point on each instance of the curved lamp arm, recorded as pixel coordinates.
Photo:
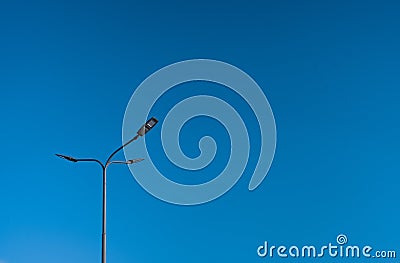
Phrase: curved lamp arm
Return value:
(127, 162)
(141, 132)
(75, 160)
(108, 162)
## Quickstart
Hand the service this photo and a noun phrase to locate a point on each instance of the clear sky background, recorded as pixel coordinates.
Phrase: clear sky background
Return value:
(331, 72)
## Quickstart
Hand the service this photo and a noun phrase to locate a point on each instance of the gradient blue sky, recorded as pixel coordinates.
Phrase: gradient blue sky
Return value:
(330, 70)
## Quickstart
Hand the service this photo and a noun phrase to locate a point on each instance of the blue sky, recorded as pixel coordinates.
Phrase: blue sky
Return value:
(330, 70)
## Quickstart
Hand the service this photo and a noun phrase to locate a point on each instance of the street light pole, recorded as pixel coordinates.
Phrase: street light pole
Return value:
(141, 132)
(104, 217)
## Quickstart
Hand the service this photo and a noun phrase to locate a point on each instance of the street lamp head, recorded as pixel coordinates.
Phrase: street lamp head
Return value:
(147, 126)
(134, 161)
(68, 158)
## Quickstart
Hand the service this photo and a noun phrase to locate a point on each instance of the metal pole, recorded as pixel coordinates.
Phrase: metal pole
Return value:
(103, 236)
(108, 162)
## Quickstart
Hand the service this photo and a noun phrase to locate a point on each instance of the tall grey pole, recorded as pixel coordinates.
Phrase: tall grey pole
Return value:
(104, 223)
